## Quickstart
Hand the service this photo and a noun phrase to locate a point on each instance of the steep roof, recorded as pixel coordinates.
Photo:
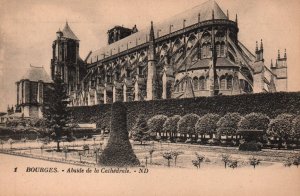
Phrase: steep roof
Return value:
(68, 33)
(36, 74)
(190, 16)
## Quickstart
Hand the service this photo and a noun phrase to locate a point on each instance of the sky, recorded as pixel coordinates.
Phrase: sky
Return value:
(28, 27)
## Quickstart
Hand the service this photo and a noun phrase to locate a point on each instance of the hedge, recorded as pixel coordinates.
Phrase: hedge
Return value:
(271, 104)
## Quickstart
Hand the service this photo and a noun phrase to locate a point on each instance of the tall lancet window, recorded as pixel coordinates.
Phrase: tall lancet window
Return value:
(222, 50)
(202, 83)
(195, 83)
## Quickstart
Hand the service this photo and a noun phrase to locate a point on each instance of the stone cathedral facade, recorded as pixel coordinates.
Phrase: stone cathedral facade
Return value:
(195, 53)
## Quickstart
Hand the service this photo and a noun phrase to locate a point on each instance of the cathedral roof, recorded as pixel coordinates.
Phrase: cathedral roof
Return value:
(176, 22)
(36, 74)
(68, 33)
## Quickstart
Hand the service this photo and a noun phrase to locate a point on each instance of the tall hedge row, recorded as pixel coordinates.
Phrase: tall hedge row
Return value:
(271, 104)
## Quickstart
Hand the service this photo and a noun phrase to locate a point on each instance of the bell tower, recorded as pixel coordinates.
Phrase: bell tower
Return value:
(65, 56)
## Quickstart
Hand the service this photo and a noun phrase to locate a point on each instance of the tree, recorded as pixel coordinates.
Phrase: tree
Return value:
(296, 127)
(55, 109)
(155, 124)
(228, 124)
(254, 121)
(199, 159)
(175, 155)
(186, 125)
(207, 124)
(140, 131)
(170, 125)
(281, 128)
(254, 161)
(118, 151)
(225, 158)
(168, 156)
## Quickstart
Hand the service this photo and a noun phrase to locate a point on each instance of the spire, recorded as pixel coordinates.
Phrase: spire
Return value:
(272, 66)
(236, 18)
(227, 15)
(199, 17)
(151, 32)
(285, 54)
(256, 48)
(213, 14)
(278, 54)
(261, 45)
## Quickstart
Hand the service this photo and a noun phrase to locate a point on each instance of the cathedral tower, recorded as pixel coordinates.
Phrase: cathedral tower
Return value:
(65, 57)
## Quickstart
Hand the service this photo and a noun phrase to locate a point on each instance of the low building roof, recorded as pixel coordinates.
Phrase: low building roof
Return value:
(36, 74)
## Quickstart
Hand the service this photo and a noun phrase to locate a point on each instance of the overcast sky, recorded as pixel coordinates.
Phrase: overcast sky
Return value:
(28, 27)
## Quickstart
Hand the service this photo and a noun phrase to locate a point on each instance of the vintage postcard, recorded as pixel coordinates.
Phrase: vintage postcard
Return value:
(149, 97)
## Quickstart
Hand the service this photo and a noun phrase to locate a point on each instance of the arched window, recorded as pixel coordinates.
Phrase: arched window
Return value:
(195, 83)
(203, 51)
(177, 86)
(229, 82)
(218, 48)
(202, 83)
(208, 52)
(222, 50)
(222, 82)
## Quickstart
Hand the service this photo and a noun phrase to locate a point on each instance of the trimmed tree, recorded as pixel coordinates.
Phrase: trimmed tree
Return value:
(281, 128)
(155, 124)
(186, 125)
(175, 155)
(207, 124)
(296, 128)
(228, 124)
(55, 110)
(252, 127)
(118, 151)
(168, 156)
(140, 131)
(170, 125)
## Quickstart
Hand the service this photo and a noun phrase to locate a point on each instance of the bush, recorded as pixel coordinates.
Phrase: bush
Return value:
(250, 146)
(254, 121)
(118, 151)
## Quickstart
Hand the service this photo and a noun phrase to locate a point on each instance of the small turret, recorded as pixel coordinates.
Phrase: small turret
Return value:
(59, 33)
(259, 51)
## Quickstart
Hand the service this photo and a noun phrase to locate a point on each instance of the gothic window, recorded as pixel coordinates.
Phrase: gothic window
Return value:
(195, 83)
(204, 50)
(222, 82)
(208, 52)
(177, 86)
(140, 70)
(218, 49)
(229, 82)
(202, 83)
(222, 50)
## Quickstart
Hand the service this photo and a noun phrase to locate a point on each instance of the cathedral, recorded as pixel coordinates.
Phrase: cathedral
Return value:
(195, 53)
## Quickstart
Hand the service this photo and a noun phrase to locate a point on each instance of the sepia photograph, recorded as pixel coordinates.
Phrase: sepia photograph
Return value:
(149, 97)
